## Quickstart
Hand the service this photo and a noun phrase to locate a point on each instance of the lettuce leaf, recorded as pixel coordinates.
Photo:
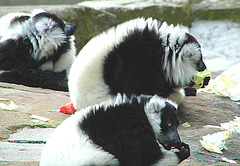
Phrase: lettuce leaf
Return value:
(199, 77)
(215, 142)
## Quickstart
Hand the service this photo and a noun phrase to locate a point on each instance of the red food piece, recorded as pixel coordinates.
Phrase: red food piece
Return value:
(68, 109)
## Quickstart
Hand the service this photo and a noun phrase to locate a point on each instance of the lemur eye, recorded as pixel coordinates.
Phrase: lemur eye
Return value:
(177, 45)
(169, 124)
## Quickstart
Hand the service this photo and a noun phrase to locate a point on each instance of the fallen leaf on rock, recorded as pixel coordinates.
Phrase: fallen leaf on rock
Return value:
(233, 125)
(54, 110)
(228, 160)
(2, 99)
(212, 126)
(12, 106)
(215, 142)
(186, 124)
(41, 118)
(227, 84)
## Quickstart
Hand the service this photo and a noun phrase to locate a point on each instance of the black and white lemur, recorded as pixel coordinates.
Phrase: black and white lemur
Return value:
(135, 131)
(140, 56)
(36, 49)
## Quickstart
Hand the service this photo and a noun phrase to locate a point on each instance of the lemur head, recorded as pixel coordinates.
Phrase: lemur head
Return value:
(162, 116)
(50, 34)
(49, 23)
(183, 56)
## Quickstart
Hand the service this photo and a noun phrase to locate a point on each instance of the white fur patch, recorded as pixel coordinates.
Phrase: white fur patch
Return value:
(3, 71)
(86, 84)
(68, 145)
(6, 20)
(152, 109)
(66, 59)
(177, 96)
(47, 66)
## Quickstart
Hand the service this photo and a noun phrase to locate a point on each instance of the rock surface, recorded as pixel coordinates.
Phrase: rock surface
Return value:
(93, 18)
(200, 110)
(30, 101)
(208, 109)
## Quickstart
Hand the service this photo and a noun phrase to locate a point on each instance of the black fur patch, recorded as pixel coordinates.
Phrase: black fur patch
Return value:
(36, 78)
(168, 115)
(17, 54)
(190, 91)
(134, 66)
(19, 19)
(169, 134)
(125, 132)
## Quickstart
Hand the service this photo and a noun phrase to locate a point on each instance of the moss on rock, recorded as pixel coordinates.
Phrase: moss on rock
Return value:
(89, 22)
(173, 15)
(231, 14)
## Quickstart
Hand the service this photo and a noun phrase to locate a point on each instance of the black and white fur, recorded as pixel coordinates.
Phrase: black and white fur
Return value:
(36, 49)
(8, 20)
(137, 57)
(119, 131)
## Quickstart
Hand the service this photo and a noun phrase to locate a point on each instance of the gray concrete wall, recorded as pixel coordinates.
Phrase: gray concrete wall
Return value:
(91, 21)
(36, 2)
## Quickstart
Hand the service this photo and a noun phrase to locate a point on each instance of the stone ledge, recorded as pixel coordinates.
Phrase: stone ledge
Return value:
(37, 101)
(92, 20)
(20, 151)
(38, 135)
